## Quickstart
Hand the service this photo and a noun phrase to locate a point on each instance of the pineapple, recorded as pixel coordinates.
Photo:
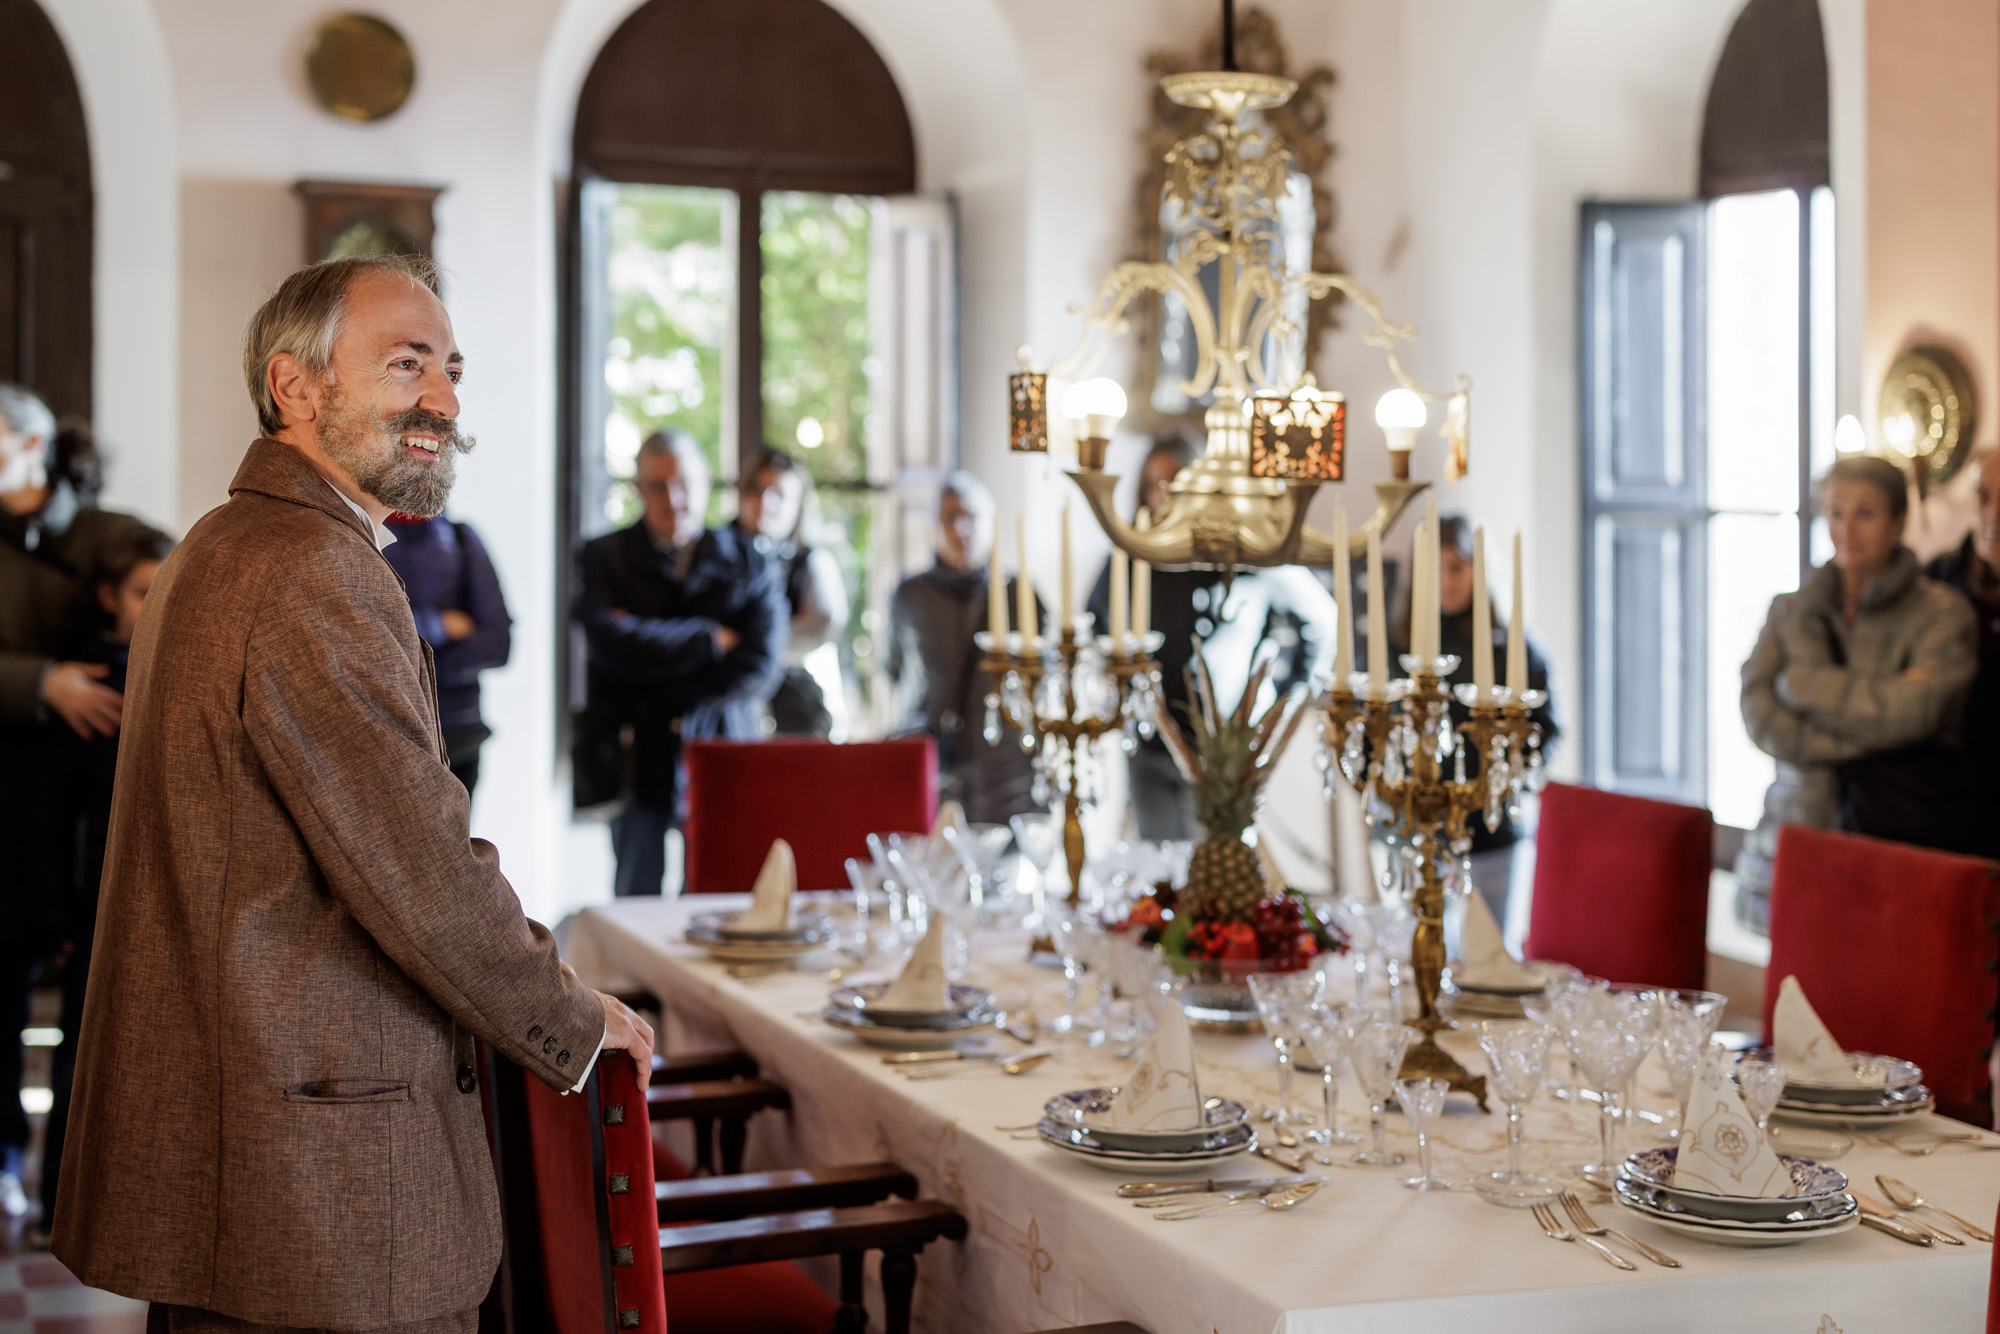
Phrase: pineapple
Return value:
(1227, 760)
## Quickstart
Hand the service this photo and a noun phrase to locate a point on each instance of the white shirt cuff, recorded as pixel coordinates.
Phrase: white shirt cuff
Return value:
(588, 1066)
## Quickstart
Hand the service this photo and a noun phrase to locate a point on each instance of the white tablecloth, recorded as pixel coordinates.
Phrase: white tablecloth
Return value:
(1051, 1245)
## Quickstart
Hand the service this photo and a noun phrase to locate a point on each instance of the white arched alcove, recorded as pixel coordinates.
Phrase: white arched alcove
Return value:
(120, 58)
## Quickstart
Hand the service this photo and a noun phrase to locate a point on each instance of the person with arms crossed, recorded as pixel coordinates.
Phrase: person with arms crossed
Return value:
(275, 1121)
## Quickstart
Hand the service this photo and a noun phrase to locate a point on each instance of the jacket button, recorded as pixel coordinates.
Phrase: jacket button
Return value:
(563, 1059)
(548, 1046)
(534, 1032)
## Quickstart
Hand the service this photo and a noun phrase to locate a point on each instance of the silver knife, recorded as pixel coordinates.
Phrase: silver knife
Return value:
(1874, 1208)
(1139, 1190)
(1896, 1229)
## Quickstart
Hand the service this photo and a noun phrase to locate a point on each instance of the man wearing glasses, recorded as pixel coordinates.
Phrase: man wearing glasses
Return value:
(686, 634)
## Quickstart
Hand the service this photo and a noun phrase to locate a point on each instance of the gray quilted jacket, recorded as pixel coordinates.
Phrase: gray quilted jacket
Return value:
(1810, 713)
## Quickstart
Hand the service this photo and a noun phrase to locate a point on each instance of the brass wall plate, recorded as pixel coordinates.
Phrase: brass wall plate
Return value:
(360, 68)
(1927, 412)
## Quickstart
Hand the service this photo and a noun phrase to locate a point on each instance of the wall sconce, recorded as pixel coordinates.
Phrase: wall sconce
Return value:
(1096, 406)
(1300, 438)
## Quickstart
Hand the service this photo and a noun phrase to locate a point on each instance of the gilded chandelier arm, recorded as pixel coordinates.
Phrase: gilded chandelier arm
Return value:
(1104, 317)
(1384, 335)
(1392, 497)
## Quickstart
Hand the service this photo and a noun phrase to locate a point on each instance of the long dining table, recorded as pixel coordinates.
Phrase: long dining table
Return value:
(1051, 1244)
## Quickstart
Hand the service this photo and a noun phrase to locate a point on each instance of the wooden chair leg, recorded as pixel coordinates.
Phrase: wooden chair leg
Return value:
(735, 1130)
(852, 1317)
(899, 1284)
(704, 1146)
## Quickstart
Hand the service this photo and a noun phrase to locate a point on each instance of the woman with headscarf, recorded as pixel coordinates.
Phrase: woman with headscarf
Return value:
(1855, 687)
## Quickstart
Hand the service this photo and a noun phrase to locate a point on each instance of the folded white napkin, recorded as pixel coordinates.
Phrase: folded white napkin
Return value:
(1804, 1047)
(921, 989)
(1486, 962)
(1721, 1149)
(1163, 1093)
(771, 897)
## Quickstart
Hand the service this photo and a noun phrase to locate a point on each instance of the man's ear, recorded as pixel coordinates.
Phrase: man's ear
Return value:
(107, 598)
(295, 388)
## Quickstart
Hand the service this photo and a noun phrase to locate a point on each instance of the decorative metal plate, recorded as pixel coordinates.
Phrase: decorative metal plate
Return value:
(360, 67)
(1928, 412)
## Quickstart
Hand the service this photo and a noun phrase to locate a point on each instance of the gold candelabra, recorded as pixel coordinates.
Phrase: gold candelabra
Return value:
(1395, 745)
(1064, 693)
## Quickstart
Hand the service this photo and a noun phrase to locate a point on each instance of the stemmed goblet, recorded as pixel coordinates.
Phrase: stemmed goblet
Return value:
(1423, 1104)
(1351, 916)
(1606, 1047)
(1377, 1055)
(1395, 928)
(1072, 941)
(1039, 837)
(1561, 1004)
(1518, 1054)
(1282, 1004)
(1761, 1083)
(1684, 1036)
(980, 848)
(1326, 1032)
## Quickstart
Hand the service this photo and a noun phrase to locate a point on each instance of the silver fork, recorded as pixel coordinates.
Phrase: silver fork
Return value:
(1590, 1228)
(1547, 1218)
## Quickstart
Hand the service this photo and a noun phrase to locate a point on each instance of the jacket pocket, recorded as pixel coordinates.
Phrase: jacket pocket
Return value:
(343, 1092)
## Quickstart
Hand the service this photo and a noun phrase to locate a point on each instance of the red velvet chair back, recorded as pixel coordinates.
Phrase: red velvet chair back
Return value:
(825, 799)
(1621, 886)
(1895, 948)
(600, 1228)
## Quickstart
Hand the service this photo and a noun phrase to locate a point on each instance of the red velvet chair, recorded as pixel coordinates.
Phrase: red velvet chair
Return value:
(822, 798)
(594, 1245)
(1621, 886)
(1895, 947)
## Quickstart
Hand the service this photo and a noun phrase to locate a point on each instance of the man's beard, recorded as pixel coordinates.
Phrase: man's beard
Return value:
(371, 450)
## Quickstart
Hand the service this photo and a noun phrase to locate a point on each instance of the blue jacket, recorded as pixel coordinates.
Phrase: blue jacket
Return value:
(655, 675)
(444, 568)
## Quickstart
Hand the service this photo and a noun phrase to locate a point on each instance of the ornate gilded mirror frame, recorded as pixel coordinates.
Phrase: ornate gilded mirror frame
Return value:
(1301, 123)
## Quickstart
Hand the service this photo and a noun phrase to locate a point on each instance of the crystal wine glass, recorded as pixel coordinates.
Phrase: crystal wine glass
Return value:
(1423, 1104)
(1351, 915)
(1561, 1004)
(1642, 1008)
(1377, 1055)
(1395, 931)
(1761, 1083)
(1282, 1001)
(1326, 1032)
(1684, 1035)
(1607, 1047)
(1039, 837)
(980, 849)
(866, 877)
(1072, 940)
(1518, 1054)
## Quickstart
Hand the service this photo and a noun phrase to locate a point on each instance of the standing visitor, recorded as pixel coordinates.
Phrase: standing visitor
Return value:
(934, 665)
(686, 635)
(276, 1118)
(773, 504)
(1974, 570)
(1855, 688)
(456, 601)
(51, 532)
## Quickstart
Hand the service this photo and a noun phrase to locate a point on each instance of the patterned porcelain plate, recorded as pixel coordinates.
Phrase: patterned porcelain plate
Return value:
(815, 930)
(1889, 1078)
(1822, 1115)
(1645, 1202)
(970, 1007)
(899, 1039)
(1813, 1181)
(1547, 973)
(1074, 1109)
(1236, 1140)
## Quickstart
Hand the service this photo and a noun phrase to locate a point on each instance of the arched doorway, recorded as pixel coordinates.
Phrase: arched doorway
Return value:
(46, 215)
(745, 261)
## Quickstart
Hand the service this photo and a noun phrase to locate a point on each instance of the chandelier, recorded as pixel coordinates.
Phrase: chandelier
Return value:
(1274, 437)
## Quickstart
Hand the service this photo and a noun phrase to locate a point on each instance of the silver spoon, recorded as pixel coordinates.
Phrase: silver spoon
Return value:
(1904, 1196)
(1291, 1197)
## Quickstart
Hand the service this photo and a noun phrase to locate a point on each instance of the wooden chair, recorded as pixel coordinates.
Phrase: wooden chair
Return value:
(594, 1245)
(708, 1089)
(1621, 887)
(821, 797)
(1896, 948)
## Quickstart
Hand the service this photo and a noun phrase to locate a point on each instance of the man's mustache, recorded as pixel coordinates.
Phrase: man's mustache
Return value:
(450, 439)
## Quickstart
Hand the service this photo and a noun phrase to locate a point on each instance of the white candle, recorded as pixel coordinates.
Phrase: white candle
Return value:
(1378, 630)
(1062, 593)
(1343, 604)
(1482, 620)
(996, 600)
(1142, 584)
(1120, 589)
(1517, 631)
(1433, 638)
(1024, 588)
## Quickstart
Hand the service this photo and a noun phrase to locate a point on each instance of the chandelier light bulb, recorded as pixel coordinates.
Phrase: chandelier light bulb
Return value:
(1099, 404)
(1401, 414)
(1848, 437)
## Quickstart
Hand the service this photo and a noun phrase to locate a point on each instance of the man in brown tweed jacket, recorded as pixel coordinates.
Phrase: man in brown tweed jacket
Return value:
(275, 1121)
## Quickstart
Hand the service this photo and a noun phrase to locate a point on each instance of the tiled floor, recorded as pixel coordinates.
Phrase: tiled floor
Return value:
(39, 1296)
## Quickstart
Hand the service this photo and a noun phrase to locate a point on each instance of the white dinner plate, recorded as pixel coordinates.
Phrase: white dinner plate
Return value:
(1239, 1141)
(1850, 1117)
(899, 1039)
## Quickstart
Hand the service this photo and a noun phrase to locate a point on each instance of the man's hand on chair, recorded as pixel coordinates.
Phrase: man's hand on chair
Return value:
(625, 1031)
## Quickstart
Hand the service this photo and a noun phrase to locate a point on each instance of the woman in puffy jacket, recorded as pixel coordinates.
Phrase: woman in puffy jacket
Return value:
(1856, 684)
